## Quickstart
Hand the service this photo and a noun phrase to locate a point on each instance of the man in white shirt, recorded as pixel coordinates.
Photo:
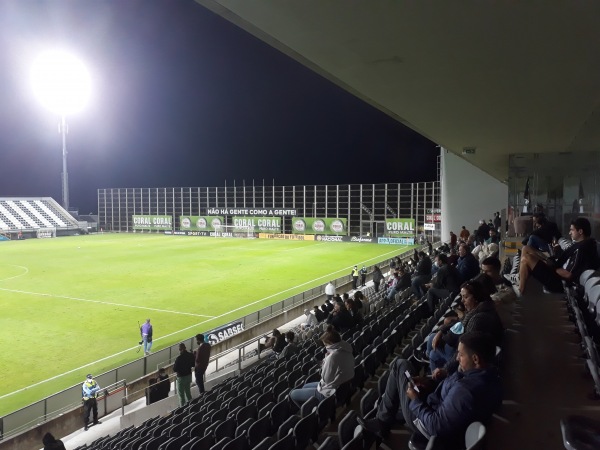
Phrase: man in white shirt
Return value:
(330, 290)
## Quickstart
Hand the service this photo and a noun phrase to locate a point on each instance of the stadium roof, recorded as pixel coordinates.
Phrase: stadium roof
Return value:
(504, 77)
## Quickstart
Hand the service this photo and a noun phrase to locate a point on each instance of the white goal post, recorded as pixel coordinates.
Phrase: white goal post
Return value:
(231, 231)
(45, 233)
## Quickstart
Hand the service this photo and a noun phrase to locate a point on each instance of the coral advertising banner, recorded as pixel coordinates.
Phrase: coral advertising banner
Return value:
(319, 225)
(200, 223)
(259, 224)
(399, 227)
(152, 222)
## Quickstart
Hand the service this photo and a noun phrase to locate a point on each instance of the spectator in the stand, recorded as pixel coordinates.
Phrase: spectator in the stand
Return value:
(183, 368)
(485, 250)
(453, 239)
(291, 348)
(504, 295)
(201, 356)
(467, 264)
(354, 275)
(453, 257)
(352, 307)
(447, 282)
(464, 234)
(50, 443)
(472, 393)
(480, 316)
(340, 318)
(160, 387)
(401, 282)
(363, 303)
(497, 221)
(543, 235)
(493, 237)
(363, 276)
(319, 314)
(276, 342)
(568, 266)
(377, 277)
(422, 274)
(337, 368)
(482, 232)
(311, 320)
(330, 290)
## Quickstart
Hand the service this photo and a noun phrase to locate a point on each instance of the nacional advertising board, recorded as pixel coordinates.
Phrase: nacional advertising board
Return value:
(200, 223)
(225, 332)
(259, 224)
(399, 227)
(152, 222)
(396, 240)
(319, 225)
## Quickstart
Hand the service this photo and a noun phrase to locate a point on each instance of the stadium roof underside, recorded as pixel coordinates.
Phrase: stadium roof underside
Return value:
(504, 77)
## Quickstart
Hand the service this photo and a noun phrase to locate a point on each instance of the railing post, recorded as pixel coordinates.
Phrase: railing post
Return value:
(240, 359)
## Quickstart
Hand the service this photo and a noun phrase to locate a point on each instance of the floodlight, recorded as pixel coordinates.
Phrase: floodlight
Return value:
(63, 85)
(61, 82)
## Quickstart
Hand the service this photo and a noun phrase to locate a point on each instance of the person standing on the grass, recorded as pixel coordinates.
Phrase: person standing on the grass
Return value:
(183, 368)
(202, 354)
(89, 393)
(363, 276)
(146, 332)
(355, 277)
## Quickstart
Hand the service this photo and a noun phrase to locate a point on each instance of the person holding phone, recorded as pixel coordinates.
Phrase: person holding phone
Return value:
(472, 393)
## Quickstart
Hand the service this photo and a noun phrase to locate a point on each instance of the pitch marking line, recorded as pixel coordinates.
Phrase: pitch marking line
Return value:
(182, 330)
(26, 271)
(104, 303)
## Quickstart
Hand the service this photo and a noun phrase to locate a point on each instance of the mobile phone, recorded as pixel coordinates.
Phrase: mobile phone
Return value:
(411, 382)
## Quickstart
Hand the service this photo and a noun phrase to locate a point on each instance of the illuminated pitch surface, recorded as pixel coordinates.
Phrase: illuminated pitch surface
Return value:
(67, 302)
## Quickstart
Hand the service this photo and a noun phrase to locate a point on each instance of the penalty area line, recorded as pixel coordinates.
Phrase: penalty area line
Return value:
(147, 308)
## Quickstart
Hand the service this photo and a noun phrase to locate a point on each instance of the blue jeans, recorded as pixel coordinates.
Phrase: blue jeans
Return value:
(147, 345)
(538, 243)
(439, 357)
(309, 390)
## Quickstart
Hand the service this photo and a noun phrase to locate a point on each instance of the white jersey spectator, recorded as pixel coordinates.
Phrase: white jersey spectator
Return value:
(311, 320)
(330, 290)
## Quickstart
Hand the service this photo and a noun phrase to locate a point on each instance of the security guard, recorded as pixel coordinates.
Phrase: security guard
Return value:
(89, 392)
(354, 277)
(363, 276)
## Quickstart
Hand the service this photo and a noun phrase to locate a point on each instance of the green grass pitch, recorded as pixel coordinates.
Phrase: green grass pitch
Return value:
(67, 302)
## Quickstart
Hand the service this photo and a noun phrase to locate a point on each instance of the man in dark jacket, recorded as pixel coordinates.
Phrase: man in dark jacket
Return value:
(50, 443)
(201, 357)
(467, 264)
(340, 318)
(447, 281)
(471, 394)
(422, 274)
(482, 232)
(183, 368)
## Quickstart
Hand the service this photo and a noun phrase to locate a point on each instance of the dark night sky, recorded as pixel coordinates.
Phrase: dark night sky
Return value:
(183, 98)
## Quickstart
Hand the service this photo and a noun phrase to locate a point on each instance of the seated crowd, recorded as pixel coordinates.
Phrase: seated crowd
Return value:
(454, 381)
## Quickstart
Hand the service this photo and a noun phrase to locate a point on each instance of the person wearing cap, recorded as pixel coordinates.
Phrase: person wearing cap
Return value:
(146, 332)
(89, 393)
(363, 276)
(355, 277)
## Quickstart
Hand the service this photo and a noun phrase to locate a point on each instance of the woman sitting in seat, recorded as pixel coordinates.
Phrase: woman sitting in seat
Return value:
(338, 368)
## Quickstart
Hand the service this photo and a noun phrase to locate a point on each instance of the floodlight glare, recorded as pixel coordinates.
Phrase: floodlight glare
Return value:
(61, 82)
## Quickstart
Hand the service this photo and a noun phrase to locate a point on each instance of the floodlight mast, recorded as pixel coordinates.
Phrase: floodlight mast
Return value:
(65, 175)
